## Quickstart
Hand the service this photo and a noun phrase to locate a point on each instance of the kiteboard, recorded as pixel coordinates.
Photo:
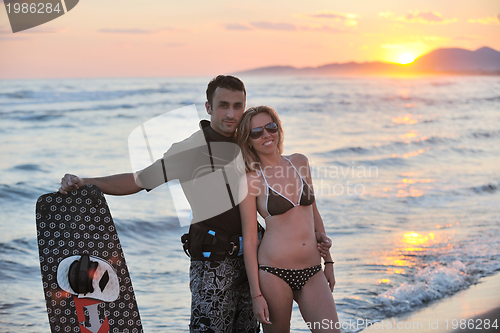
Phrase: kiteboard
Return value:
(85, 278)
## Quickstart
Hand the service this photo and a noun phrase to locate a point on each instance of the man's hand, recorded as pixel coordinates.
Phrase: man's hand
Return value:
(70, 182)
(324, 243)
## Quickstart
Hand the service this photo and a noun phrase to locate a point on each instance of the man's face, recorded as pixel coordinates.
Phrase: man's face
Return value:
(226, 110)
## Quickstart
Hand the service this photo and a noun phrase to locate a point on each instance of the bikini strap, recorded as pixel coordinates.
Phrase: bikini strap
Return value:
(301, 180)
(297, 171)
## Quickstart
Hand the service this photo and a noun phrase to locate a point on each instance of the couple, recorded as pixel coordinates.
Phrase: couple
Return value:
(223, 300)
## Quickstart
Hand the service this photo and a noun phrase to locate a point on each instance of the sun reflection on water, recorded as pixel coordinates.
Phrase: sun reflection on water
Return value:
(416, 238)
(407, 119)
(408, 249)
(409, 186)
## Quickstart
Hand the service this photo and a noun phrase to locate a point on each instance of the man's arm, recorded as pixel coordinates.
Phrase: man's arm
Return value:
(122, 184)
(324, 243)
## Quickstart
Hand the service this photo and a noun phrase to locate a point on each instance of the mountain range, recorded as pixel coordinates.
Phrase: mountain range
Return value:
(483, 61)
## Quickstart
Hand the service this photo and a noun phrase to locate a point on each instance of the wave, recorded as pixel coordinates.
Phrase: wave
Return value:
(18, 246)
(402, 147)
(431, 283)
(28, 167)
(485, 134)
(348, 151)
(30, 96)
(19, 191)
(21, 94)
(47, 115)
(488, 99)
(443, 273)
(146, 229)
(19, 259)
(488, 188)
(395, 147)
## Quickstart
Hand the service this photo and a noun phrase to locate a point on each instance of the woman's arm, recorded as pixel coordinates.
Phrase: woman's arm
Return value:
(248, 210)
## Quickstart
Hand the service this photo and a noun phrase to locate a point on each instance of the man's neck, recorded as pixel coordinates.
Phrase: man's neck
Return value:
(221, 133)
(214, 135)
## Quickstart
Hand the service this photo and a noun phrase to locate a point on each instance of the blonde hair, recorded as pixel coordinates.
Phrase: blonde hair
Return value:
(249, 156)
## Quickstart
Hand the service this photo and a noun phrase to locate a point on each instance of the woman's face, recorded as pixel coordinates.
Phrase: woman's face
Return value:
(268, 141)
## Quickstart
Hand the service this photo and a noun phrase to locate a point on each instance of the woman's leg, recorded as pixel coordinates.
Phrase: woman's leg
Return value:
(279, 298)
(317, 306)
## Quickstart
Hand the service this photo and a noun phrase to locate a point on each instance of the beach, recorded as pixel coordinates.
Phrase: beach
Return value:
(405, 174)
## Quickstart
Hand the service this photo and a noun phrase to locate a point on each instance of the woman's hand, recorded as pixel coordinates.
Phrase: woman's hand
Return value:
(330, 276)
(260, 309)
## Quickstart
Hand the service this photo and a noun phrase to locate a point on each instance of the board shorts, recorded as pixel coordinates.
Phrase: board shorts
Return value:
(220, 298)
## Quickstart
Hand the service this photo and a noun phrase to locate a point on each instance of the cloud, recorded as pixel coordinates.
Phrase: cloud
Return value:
(8, 39)
(274, 26)
(424, 17)
(386, 14)
(324, 28)
(237, 26)
(175, 44)
(134, 31)
(412, 45)
(487, 20)
(347, 19)
(125, 31)
(468, 38)
(289, 27)
(6, 30)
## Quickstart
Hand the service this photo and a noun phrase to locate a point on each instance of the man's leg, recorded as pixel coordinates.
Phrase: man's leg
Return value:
(213, 301)
(244, 321)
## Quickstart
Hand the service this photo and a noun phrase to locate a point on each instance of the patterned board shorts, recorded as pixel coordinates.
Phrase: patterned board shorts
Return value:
(220, 298)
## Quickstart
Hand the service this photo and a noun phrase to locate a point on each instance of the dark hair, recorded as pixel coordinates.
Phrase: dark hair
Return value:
(224, 81)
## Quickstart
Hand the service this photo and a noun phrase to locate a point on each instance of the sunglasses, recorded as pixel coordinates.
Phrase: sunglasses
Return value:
(257, 132)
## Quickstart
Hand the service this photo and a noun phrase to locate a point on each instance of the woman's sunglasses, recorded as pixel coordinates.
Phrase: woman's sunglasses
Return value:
(257, 132)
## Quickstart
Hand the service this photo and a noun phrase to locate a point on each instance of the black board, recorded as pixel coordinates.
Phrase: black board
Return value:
(71, 225)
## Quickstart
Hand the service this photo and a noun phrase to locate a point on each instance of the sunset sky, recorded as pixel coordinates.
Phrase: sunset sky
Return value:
(153, 38)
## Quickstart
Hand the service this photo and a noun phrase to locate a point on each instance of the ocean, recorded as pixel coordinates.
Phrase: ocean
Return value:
(406, 175)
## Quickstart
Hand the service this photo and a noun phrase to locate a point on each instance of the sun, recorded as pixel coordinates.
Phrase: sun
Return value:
(406, 58)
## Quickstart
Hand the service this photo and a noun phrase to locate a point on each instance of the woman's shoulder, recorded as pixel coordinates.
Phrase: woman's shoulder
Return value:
(255, 174)
(298, 159)
(254, 183)
(253, 177)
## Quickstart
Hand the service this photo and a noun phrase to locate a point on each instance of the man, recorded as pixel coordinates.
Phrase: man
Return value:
(220, 293)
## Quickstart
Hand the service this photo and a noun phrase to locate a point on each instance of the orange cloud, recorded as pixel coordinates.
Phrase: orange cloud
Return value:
(175, 44)
(125, 31)
(324, 28)
(487, 20)
(237, 26)
(348, 19)
(133, 31)
(264, 25)
(274, 26)
(424, 17)
(468, 38)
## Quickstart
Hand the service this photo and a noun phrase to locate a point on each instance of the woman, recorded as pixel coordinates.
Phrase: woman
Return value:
(287, 265)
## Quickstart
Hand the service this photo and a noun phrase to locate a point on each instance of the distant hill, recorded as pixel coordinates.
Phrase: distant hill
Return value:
(484, 59)
(440, 61)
